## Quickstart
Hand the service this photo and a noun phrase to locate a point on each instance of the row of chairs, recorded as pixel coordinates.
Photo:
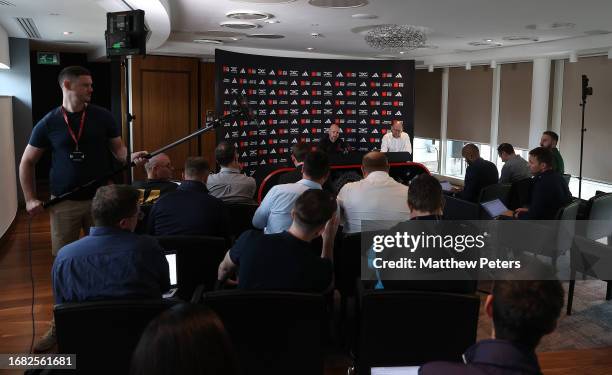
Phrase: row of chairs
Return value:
(276, 332)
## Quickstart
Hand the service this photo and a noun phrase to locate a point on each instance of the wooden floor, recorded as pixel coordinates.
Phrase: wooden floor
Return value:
(15, 303)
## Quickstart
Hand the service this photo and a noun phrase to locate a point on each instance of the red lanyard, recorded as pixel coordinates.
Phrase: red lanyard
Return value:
(74, 137)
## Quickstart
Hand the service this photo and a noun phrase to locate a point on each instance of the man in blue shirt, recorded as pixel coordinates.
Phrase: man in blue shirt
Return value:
(549, 191)
(111, 262)
(286, 261)
(190, 209)
(274, 212)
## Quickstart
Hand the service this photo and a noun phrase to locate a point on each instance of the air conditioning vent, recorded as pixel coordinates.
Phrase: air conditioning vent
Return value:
(29, 27)
(7, 3)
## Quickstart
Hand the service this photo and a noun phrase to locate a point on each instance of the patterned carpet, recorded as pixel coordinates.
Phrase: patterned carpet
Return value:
(589, 326)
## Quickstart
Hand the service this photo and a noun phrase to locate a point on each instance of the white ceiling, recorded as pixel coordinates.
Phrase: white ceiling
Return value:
(452, 24)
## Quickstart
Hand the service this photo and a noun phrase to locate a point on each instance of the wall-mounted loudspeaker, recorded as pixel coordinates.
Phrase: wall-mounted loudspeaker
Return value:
(126, 33)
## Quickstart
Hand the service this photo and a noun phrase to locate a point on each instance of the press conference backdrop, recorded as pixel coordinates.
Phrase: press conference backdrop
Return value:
(298, 99)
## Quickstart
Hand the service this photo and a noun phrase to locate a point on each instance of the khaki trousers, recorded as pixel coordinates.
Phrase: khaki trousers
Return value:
(67, 220)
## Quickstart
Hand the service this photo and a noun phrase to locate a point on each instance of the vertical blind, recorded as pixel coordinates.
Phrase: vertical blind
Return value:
(428, 101)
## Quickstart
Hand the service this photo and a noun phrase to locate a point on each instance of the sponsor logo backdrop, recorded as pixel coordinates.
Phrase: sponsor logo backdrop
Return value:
(296, 100)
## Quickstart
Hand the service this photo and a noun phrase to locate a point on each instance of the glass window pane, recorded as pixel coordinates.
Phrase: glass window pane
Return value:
(455, 163)
(427, 152)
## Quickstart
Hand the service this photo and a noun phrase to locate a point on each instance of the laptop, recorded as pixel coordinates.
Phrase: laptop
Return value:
(171, 258)
(494, 208)
(446, 186)
(404, 370)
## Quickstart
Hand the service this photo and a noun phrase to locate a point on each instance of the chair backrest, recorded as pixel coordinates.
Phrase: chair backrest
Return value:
(567, 226)
(600, 217)
(495, 191)
(241, 217)
(459, 209)
(273, 332)
(518, 196)
(409, 328)
(104, 329)
(347, 262)
(566, 178)
(197, 260)
(592, 258)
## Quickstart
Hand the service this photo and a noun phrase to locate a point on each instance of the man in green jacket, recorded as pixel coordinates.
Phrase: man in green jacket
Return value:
(549, 140)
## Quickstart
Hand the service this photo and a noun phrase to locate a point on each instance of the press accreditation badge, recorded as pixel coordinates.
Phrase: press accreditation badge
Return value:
(77, 156)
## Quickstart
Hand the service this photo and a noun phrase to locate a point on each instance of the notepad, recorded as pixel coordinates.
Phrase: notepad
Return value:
(405, 370)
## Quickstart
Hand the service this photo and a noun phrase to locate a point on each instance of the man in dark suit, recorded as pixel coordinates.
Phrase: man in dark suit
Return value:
(549, 191)
(331, 143)
(190, 210)
(479, 174)
(523, 311)
(298, 153)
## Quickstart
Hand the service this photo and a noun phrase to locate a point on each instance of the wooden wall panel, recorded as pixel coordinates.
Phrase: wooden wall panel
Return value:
(207, 105)
(165, 106)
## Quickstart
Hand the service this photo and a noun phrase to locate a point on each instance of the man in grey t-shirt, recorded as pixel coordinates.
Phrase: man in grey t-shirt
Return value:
(230, 185)
(515, 167)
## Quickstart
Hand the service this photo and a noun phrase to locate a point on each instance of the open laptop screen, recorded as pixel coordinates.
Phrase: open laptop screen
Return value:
(446, 186)
(171, 258)
(405, 370)
(494, 208)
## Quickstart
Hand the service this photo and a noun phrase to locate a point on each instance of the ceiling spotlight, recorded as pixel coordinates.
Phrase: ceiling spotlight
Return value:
(316, 35)
(272, 21)
(493, 64)
(248, 15)
(573, 57)
(241, 25)
(468, 66)
(402, 52)
(234, 39)
(310, 48)
(430, 68)
(67, 32)
(488, 40)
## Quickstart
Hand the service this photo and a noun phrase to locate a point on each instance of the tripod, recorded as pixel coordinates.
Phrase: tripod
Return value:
(586, 91)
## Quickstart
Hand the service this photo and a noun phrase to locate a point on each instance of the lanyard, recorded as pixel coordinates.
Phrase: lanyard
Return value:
(75, 137)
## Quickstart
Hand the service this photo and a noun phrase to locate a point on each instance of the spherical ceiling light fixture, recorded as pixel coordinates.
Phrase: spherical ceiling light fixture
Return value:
(395, 37)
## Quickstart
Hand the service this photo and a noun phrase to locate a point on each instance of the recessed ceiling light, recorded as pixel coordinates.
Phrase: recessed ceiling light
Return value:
(364, 16)
(316, 35)
(310, 48)
(67, 32)
(338, 4)
(207, 41)
(402, 52)
(241, 25)
(488, 40)
(272, 21)
(54, 14)
(265, 36)
(248, 15)
(234, 38)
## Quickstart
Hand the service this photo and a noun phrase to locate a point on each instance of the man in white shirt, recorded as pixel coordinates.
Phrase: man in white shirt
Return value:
(397, 140)
(376, 197)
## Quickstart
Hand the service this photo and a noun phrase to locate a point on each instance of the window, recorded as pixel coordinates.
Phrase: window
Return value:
(589, 187)
(427, 152)
(519, 151)
(455, 163)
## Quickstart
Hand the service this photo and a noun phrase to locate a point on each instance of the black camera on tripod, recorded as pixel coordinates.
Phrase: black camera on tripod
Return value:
(586, 90)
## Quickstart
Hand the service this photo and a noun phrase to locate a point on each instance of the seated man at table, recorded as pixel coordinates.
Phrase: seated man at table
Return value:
(111, 262)
(159, 174)
(298, 153)
(397, 140)
(523, 311)
(549, 191)
(190, 210)
(331, 143)
(479, 174)
(378, 197)
(230, 185)
(274, 213)
(515, 167)
(286, 261)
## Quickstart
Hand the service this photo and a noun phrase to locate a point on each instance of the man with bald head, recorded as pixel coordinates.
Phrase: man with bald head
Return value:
(479, 174)
(331, 143)
(376, 197)
(397, 140)
(159, 174)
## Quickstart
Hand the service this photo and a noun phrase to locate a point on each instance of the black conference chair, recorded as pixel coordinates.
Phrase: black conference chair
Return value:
(241, 217)
(495, 191)
(566, 178)
(459, 209)
(409, 328)
(104, 334)
(518, 196)
(273, 332)
(197, 260)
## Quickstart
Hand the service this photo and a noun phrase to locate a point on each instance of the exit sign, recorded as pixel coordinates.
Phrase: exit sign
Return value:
(48, 58)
